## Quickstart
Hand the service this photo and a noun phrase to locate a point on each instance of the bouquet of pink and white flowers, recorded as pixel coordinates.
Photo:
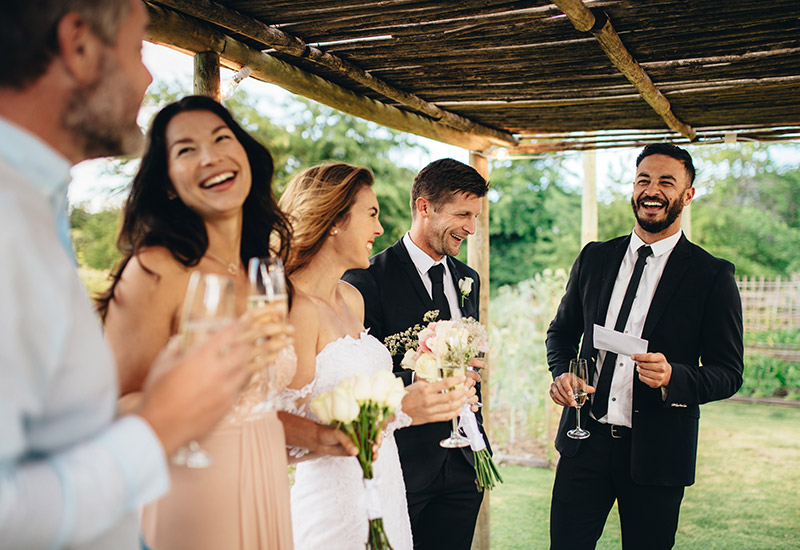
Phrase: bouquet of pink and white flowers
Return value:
(360, 406)
(455, 343)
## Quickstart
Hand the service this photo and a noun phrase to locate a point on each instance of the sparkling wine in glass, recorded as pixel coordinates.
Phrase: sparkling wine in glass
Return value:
(209, 305)
(268, 286)
(456, 440)
(578, 374)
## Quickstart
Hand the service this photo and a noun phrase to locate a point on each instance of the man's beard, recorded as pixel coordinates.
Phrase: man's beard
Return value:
(657, 226)
(102, 115)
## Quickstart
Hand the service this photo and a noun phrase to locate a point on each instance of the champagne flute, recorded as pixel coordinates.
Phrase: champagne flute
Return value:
(209, 305)
(267, 286)
(456, 440)
(578, 375)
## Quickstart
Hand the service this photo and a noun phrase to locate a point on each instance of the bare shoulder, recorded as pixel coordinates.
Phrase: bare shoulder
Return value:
(304, 316)
(353, 298)
(303, 313)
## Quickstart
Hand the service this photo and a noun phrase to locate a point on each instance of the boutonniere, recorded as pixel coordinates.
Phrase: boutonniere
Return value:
(465, 286)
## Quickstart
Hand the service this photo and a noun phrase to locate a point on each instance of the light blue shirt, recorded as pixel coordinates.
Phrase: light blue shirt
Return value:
(423, 263)
(44, 168)
(72, 474)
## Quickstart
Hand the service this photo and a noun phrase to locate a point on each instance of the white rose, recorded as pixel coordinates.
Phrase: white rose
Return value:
(362, 387)
(345, 408)
(427, 367)
(396, 394)
(322, 407)
(465, 285)
(409, 359)
(381, 385)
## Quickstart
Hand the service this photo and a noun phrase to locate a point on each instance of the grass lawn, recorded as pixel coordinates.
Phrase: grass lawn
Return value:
(746, 497)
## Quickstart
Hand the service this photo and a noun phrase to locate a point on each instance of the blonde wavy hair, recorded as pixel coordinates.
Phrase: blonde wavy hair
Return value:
(314, 201)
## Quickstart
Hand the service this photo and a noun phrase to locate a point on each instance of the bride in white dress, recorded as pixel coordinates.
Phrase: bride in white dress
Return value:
(334, 215)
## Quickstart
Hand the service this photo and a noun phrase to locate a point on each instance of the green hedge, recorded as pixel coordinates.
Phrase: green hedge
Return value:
(766, 376)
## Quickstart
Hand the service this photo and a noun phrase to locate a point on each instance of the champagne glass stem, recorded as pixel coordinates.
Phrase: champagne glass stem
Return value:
(578, 417)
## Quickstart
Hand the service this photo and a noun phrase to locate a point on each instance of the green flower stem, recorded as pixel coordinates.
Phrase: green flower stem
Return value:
(487, 475)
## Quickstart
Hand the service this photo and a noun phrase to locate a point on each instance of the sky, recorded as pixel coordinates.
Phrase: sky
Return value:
(90, 186)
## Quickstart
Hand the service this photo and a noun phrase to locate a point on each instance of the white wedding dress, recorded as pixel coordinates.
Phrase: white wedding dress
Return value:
(329, 503)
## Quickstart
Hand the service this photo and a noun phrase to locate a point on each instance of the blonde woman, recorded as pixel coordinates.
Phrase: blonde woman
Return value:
(334, 216)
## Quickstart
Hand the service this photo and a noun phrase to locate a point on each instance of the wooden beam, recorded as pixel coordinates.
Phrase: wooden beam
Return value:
(478, 259)
(584, 20)
(206, 75)
(183, 33)
(293, 46)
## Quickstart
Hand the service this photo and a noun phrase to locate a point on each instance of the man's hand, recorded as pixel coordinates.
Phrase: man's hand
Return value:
(473, 378)
(186, 394)
(561, 390)
(653, 369)
(427, 402)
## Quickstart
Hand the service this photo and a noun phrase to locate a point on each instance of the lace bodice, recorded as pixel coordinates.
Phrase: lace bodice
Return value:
(329, 508)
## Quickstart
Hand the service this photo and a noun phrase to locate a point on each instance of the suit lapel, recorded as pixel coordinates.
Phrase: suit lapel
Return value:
(674, 271)
(611, 264)
(412, 273)
(468, 307)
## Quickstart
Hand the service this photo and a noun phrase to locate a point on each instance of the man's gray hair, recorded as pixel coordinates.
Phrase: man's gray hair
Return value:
(28, 33)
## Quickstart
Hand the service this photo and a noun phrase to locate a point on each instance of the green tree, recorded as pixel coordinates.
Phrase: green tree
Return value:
(94, 236)
(534, 220)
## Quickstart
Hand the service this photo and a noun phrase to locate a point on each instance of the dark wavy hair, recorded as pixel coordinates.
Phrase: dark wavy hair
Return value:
(443, 178)
(669, 150)
(155, 216)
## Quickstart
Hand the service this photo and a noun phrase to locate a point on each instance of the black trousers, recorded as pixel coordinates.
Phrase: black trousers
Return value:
(586, 487)
(443, 515)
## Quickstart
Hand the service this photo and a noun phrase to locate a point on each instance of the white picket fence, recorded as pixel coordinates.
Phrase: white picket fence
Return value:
(770, 304)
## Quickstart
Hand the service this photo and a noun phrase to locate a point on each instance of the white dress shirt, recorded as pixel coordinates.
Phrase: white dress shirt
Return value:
(620, 402)
(71, 475)
(423, 263)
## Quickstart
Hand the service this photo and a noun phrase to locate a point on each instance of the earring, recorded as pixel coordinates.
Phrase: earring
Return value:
(335, 231)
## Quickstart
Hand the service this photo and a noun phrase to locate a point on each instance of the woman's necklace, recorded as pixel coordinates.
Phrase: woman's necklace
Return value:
(233, 268)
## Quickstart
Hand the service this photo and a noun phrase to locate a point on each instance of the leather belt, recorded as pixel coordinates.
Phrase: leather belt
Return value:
(613, 430)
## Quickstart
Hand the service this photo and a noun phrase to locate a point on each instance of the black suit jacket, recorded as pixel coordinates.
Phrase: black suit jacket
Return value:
(394, 300)
(695, 317)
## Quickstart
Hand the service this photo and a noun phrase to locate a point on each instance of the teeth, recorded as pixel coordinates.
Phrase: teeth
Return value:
(218, 179)
(456, 237)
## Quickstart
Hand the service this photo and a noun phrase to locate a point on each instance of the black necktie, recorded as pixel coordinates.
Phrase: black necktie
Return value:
(600, 402)
(436, 273)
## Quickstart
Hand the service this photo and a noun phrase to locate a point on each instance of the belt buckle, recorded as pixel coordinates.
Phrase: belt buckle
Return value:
(614, 432)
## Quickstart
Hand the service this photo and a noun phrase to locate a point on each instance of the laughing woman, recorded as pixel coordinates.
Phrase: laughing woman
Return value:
(202, 200)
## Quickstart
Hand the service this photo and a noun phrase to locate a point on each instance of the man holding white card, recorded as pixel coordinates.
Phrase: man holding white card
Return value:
(661, 322)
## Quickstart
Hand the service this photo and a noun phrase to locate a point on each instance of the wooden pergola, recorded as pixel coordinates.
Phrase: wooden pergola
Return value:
(529, 77)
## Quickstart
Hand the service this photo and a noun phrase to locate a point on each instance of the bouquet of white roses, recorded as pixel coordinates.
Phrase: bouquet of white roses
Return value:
(360, 406)
(455, 343)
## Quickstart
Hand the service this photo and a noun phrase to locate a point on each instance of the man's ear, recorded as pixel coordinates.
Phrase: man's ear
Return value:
(81, 50)
(423, 206)
(688, 196)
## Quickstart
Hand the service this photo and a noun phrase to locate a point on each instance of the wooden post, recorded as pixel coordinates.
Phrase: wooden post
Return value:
(206, 75)
(478, 259)
(589, 198)
(686, 221)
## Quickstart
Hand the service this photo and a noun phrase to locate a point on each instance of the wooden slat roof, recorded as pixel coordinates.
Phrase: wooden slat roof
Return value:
(522, 68)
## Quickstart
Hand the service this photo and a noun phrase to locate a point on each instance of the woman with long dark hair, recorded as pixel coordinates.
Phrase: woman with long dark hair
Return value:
(202, 200)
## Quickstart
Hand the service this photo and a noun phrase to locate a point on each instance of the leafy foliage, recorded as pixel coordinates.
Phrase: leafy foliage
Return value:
(534, 220)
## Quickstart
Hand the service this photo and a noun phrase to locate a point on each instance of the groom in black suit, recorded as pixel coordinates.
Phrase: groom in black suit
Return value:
(415, 275)
(656, 285)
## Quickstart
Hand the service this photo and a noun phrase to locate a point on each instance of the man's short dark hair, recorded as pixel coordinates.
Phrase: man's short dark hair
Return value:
(442, 179)
(28, 33)
(669, 150)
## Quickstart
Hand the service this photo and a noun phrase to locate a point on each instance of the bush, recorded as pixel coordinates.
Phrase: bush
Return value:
(766, 376)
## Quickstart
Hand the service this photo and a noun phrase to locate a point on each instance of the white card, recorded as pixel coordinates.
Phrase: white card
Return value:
(617, 342)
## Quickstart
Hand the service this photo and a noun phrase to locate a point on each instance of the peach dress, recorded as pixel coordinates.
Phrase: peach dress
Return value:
(241, 502)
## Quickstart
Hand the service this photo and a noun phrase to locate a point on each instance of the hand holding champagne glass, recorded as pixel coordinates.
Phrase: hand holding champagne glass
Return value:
(456, 440)
(268, 293)
(578, 376)
(209, 305)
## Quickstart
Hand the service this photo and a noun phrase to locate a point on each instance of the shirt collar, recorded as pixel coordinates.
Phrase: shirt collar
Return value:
(421, 260)
(659, 247)
(46, 169)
